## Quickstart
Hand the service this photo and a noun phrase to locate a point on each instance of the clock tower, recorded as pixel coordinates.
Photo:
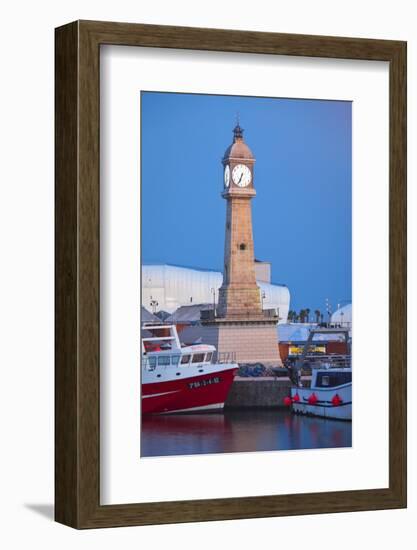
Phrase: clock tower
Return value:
(239, 296)
(239, 328)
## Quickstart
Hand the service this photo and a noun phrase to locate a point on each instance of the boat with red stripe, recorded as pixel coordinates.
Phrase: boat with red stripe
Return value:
(180, 378)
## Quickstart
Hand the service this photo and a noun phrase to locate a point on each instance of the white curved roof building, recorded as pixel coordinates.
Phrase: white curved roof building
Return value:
(167, 287)
(343, 315)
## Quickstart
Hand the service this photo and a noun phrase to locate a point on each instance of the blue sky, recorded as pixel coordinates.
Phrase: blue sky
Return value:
(302, 211)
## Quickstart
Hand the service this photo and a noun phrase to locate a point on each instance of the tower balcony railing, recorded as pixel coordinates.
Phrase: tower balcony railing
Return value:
(212, 314)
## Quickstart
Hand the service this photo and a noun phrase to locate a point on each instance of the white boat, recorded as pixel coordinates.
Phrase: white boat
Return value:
(329, 394)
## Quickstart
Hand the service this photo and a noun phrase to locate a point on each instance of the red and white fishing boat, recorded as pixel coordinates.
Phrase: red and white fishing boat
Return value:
(177, 378)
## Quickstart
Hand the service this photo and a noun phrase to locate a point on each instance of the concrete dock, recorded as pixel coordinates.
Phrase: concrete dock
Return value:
(267, 391)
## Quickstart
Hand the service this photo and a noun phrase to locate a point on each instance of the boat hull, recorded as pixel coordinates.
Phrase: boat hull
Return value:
(206, 392)
(324, 405)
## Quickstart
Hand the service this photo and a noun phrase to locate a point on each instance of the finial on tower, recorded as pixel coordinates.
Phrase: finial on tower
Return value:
(238, 131)
(238, 149)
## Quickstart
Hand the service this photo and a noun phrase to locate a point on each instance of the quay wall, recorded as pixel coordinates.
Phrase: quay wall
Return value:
(258, 392)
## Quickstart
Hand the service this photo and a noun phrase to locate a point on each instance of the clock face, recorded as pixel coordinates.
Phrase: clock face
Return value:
(227, 176)
(241, 175)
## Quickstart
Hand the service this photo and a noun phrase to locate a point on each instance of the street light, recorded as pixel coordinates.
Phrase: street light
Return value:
(154, 304)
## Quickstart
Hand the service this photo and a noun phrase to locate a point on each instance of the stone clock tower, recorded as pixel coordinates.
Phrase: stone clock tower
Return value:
(239, 329)
(239, 295)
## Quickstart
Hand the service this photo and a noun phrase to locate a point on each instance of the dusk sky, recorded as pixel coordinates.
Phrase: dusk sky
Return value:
(302, 212)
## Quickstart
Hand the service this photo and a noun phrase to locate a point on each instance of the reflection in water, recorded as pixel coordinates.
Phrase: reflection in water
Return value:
(240, 431)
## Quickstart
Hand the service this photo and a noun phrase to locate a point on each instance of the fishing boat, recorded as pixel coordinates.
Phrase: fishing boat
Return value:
(180, 378)
(329, 392)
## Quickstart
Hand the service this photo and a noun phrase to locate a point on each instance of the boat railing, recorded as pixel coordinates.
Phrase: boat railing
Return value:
(225, 357)
(327, 361)
(339, 324)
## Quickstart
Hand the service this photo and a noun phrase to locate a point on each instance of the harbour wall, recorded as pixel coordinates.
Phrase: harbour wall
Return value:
(258, 392)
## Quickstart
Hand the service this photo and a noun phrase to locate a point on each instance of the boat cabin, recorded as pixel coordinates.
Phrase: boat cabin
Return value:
(161, 348)
(187, 356)
(331, 378)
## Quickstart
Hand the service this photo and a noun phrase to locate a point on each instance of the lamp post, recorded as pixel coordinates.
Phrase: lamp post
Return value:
(154, 304)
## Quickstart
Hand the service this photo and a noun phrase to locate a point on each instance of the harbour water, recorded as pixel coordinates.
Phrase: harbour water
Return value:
(241, 430)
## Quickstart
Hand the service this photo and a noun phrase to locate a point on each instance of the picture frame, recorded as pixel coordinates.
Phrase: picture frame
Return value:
(77, 270)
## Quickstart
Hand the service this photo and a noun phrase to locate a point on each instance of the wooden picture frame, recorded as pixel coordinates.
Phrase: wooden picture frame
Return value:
(77, 404)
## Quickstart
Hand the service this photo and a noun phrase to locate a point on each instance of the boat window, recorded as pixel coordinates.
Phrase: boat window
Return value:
(209, 356)
(151, 363)
(164, 360)
(333, 379)
(198, 358)
(185, 359)
(175, 359)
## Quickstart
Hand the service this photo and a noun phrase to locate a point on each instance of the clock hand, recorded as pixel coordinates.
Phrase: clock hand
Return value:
(241, 176)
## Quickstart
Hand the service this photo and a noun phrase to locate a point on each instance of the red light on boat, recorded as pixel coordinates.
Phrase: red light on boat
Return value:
(312, 399)
(336, 400)
(287, 401)
(296, 398)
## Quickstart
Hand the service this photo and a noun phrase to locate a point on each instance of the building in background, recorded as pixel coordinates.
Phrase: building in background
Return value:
(188, 316)
(169, 287)
(148, 317)
(342, 316)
